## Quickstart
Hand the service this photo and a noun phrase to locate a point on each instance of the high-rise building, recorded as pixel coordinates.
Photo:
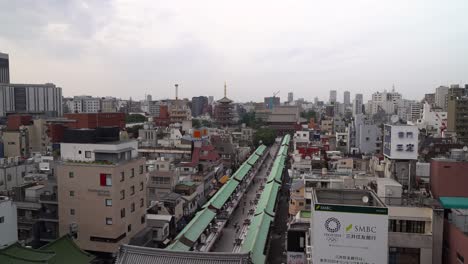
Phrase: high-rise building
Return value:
(199, 105)
(332, 96)
(457, 117)
(441, 97)
(109, 105)
(101, 191)
(271, 102)
(357, 105)
(31, 99)
(347, 98)
(4, 68)
(290, 97)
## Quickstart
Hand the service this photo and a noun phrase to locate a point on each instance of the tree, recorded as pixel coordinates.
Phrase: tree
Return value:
(308, 115)
(206, 123)
(196, 123)
(266, 135)
(135, 118)
(133, 131)
(250, 120)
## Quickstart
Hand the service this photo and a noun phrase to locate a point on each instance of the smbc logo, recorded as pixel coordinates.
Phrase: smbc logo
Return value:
(332, 225)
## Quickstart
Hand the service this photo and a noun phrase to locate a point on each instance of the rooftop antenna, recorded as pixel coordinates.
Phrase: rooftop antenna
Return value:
(225, 89)
(176, 91)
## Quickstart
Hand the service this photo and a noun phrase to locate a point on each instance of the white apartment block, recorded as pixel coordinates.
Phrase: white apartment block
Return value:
(8, 222)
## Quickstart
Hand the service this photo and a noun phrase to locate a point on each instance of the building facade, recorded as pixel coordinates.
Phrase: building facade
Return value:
(31, 98)
(4, 68)
(108, 182)
(401, 142)
(8, 222)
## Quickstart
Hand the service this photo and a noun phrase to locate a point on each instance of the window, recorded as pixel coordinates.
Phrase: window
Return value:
(132, 173)
(141, 169)
(8, 177)
(122, 176)
(72, 193)
(108, 221)
(71, 174)
(301, 204)
(87, 154)
(460, 258)
(122, 212)
(72, 211)
(409, 134)
(2, 220)
(108, 202)
(122, 194)
(141, 186)
(142, 219)
(142, 202)
(129, 228)
(106, 179)
(406, 226)
(132, 207)
(132, 190)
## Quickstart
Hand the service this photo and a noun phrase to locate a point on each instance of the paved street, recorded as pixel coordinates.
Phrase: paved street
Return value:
(226, 243)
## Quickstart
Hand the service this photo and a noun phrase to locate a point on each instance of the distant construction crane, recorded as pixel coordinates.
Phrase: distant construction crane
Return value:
(272, 100)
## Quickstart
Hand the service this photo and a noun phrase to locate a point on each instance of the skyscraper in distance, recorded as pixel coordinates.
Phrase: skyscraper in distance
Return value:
(290, 97)
(332, 96)
(4, 68)
(346, 98)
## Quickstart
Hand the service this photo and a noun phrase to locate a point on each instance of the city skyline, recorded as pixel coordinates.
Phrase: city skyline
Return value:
(123, 49)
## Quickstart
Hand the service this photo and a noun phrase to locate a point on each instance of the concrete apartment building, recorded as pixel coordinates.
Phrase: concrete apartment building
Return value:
(8, 222)
(101, 192)
(43, 99)
(457, 117)
(4, 68)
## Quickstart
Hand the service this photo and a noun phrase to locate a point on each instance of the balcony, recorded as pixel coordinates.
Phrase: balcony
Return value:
(48, 216)
(48, 198)
(48, 236)
(27, 220)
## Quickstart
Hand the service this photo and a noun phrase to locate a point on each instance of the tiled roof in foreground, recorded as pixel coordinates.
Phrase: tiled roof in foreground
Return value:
(144, 255)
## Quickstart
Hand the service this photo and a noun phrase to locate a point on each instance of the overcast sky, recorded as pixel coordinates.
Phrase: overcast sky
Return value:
(129, 48)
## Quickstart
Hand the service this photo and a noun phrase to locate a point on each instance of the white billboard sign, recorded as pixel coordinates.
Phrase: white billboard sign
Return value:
(349, 234)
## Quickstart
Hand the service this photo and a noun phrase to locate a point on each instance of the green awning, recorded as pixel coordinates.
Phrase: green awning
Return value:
(220, 198)
(253, 159)
(267, 200)
(198, 224)
(178, 246)
(260, 150)
(242, 171)
(257, 237)
(454, 202)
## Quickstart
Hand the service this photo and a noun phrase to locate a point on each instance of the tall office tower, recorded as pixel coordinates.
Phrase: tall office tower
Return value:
(290, 97)
(31, 99)
(346, 98)
(4, 68)
(199, 105)
(441, 97)
(457, 117)
(101, 189)
(332, 96)
(357, 105)
(316, 100)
